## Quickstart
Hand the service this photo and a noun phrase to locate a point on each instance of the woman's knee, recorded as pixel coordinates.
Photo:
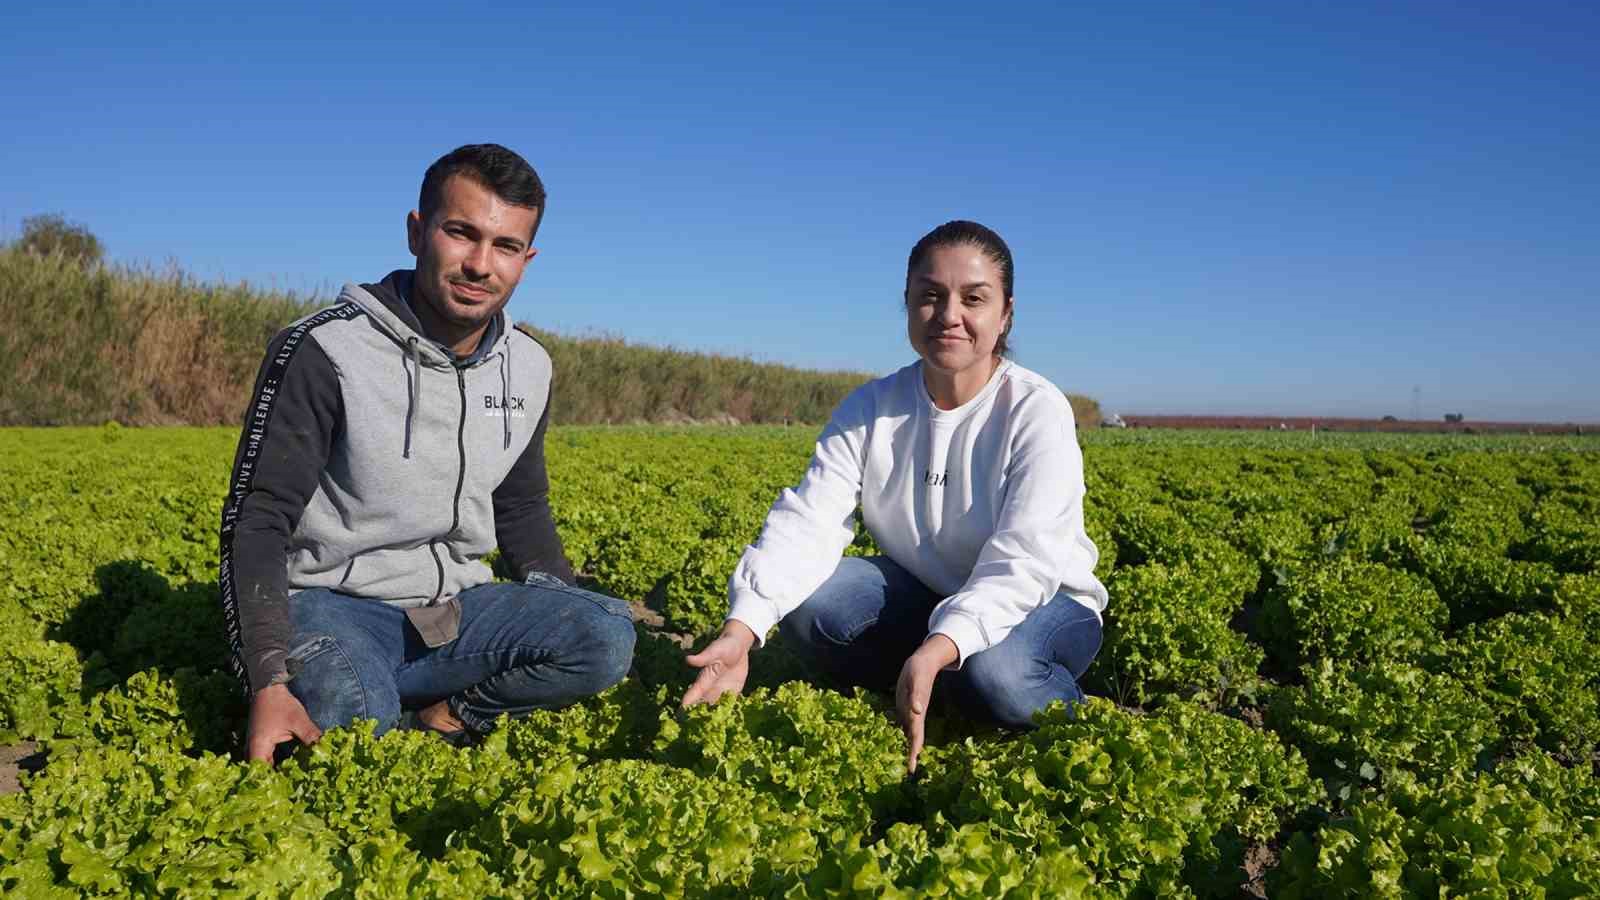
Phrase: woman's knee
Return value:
(803, 628)
(843, 606)
(1009, 688)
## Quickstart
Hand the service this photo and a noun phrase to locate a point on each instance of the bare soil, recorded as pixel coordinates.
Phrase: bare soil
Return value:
(1258, 860)
(16, 759)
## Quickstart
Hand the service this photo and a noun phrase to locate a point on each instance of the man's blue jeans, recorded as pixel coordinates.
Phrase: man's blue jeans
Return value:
(539, 645)
(871, 614)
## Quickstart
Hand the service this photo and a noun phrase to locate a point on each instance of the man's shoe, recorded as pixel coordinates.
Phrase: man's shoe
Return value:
(460, 738)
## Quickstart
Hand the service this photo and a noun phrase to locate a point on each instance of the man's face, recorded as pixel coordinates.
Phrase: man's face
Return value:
(470, 253)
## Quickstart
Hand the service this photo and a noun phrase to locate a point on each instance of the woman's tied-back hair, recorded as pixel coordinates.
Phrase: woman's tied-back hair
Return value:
(500, 170)
(964, 233)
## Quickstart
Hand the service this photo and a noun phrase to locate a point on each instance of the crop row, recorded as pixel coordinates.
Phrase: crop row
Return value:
(1363, 670)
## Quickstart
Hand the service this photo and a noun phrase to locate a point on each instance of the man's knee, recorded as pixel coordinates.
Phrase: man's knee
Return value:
(326, 678)
(604, 648)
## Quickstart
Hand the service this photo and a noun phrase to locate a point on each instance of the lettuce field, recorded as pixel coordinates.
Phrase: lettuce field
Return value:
(1335, 666)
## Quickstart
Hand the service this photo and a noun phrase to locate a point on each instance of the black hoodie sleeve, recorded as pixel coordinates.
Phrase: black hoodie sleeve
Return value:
(522, 524)
(289, 429)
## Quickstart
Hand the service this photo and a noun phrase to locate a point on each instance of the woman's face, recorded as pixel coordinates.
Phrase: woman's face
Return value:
(956, 309)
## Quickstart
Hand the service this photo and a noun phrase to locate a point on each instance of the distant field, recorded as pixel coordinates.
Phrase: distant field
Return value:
(1325, 439)
(1306, 423)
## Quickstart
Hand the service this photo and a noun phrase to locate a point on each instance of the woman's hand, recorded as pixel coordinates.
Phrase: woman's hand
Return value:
(723, 664)
(916, 686)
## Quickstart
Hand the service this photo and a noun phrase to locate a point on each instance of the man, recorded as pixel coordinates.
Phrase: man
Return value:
(394, 439)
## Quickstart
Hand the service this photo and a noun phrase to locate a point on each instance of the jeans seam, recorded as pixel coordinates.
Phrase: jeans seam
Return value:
(854, 634)
(571, 591)
(1050, 639)
(625, 613)
(474, 695)
(470, 657)
(1061, 672)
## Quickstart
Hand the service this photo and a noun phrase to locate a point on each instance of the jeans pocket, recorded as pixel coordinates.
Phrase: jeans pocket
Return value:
(326, 682)
(545, 580)
(612, 605)
(313, 651)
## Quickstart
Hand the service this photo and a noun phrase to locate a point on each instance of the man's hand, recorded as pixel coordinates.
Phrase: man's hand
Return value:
(723, 664)
(916, 686)
(276, 716)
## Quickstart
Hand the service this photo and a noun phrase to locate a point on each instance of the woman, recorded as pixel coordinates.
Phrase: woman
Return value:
(967, 470)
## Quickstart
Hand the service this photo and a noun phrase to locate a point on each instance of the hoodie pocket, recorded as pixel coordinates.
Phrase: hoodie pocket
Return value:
(349, 569)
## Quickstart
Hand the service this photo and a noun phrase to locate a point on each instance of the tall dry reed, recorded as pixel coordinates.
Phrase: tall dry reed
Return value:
(84, 344)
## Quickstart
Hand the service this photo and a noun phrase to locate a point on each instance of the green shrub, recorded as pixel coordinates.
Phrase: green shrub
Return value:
(1466, 837)
(807, 748)
(50, 234)
(40, 686)
(1349, 612)
(1167, 634)
(1356, 724)
(1539, 673)
(1147, 803)
(158, 823)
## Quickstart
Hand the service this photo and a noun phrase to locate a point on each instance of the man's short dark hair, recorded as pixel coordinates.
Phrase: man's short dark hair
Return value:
(500, 170)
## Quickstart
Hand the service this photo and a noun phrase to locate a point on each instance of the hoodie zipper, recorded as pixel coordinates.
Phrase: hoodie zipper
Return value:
(461, 479)
(461, 446)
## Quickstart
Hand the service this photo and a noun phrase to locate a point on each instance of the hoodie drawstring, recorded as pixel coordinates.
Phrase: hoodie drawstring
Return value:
(415, 394)
(505, 393)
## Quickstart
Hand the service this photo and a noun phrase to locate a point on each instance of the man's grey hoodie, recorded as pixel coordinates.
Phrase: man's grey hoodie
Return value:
(375, 463)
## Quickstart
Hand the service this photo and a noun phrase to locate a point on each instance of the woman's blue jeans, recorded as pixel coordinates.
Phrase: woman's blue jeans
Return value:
(538, 645)
(871, 614)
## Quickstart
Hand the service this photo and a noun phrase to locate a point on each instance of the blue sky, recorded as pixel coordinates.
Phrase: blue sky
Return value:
(1215, 208)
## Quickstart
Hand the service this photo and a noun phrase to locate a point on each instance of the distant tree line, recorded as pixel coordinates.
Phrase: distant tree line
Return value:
(51, 234)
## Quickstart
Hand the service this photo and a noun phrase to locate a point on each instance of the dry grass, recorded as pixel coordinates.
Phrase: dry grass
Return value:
(82, 345)
(608, 380)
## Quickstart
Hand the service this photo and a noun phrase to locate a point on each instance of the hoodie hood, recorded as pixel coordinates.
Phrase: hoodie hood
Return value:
(388, 304)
